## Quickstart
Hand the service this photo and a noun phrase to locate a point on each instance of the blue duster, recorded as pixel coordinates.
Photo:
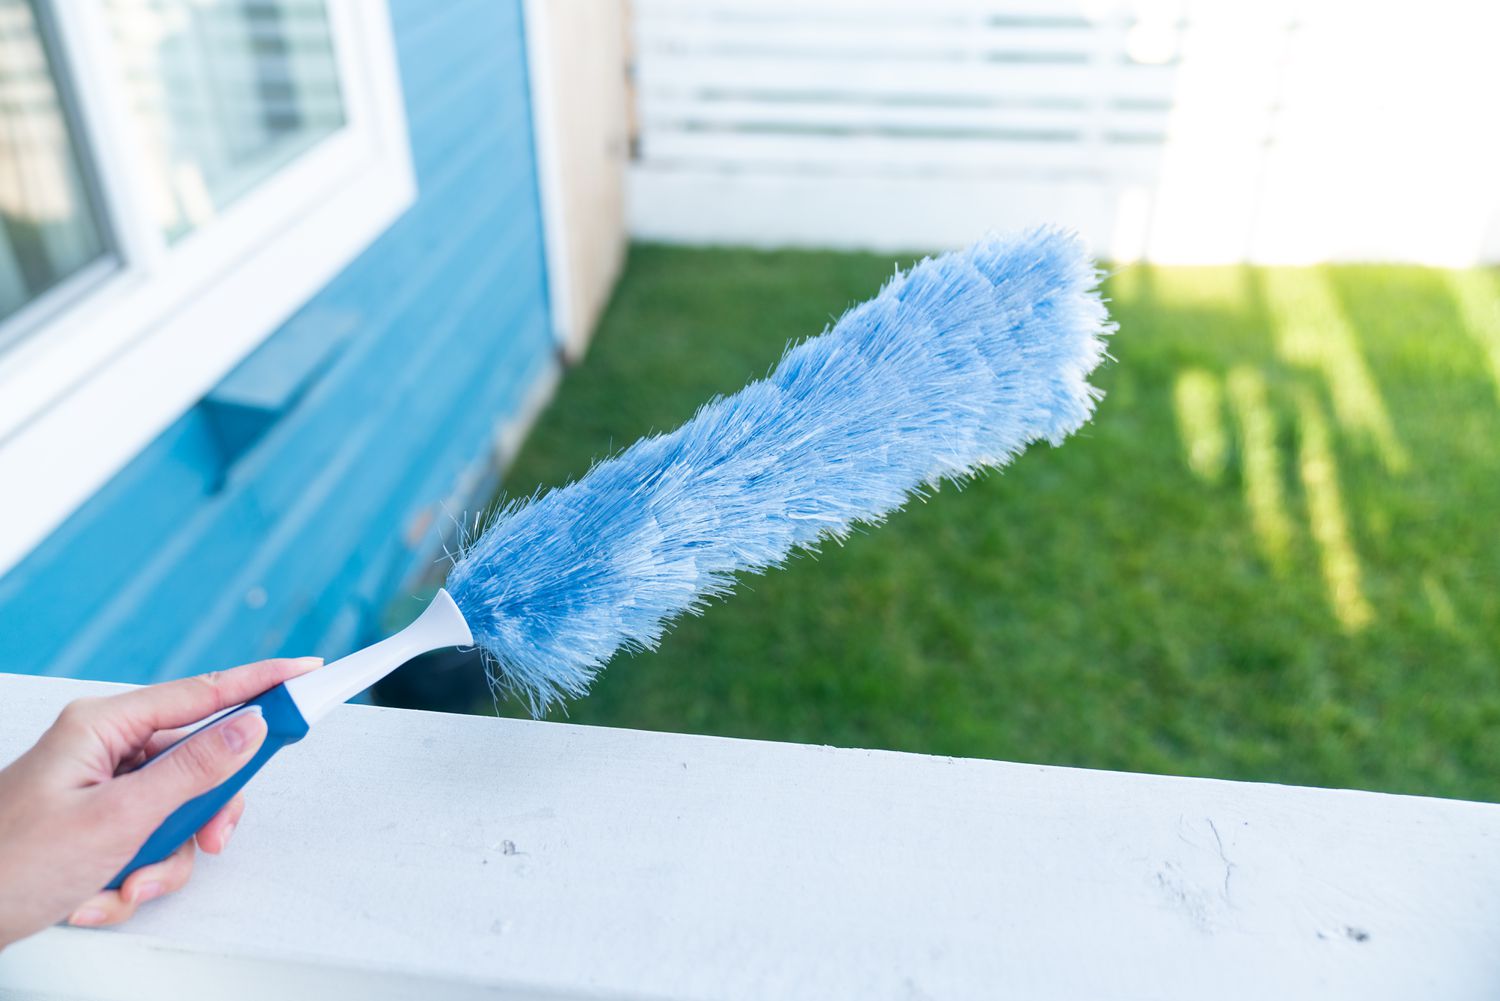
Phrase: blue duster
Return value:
(957, 365)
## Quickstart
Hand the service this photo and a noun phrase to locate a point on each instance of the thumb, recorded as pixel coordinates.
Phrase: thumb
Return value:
(196, 765)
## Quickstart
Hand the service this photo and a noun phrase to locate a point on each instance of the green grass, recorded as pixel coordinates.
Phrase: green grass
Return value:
(1272, 556)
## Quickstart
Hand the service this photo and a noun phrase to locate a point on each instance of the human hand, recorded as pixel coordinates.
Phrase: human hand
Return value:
(72, 812)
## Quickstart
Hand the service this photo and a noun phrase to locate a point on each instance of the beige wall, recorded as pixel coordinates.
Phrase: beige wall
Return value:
(579, 58)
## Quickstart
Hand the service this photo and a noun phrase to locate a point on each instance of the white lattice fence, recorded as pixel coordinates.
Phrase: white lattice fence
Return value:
(1182, 131)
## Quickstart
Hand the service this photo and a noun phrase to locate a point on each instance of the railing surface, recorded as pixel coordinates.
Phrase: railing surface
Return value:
(409, 854)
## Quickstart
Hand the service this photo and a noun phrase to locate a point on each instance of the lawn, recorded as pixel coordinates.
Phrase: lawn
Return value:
(1272, 556)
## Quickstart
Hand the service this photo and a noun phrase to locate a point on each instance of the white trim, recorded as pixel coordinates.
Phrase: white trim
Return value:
(81, 397)
(40, 311)
(539, 69)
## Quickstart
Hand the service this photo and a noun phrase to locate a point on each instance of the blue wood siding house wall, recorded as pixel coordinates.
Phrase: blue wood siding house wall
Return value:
(283, 512)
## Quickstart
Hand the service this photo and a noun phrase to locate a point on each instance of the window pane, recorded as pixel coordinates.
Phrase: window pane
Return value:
(224, 92)
(49, 223)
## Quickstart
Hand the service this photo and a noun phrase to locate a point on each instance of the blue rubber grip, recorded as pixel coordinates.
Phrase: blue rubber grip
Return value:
(284, 725)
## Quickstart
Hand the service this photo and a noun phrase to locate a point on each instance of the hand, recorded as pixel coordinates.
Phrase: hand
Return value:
(72, 812)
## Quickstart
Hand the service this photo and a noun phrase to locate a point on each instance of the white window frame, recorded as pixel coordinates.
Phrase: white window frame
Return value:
(107, 371)
(138, 345)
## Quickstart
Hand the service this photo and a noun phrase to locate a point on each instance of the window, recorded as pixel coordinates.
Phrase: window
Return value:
(223, 94)
(176, 178)
(50, 226)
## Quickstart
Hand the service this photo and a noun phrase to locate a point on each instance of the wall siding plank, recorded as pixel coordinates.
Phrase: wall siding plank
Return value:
(193, 558)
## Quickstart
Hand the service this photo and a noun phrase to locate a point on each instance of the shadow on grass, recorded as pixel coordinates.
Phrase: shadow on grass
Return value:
(1270, 557)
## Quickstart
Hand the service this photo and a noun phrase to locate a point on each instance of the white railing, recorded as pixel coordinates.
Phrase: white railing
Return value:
(402, 854)
(1191, 131)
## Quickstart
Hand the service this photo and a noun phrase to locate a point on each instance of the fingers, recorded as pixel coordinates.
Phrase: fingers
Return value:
(152, 881)
(146, 883)
(155, 744)
(213, 837)
(195, 766)
(167, 876)
(178, 703)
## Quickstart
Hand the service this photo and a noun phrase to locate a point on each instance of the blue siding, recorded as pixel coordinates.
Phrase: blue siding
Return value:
(285, 511)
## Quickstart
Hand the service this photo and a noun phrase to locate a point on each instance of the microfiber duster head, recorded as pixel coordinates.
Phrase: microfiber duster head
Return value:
(956, 365)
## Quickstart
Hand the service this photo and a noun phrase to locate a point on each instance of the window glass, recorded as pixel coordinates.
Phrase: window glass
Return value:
(50, 227)
(224, 92)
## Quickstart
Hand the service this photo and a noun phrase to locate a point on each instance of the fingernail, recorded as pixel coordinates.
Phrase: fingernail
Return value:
(228, 833)
(239, 731)
(85, 916)
(145, 892)
(309, 662)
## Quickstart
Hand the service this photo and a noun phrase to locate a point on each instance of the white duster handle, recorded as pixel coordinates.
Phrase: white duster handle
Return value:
(440, 625)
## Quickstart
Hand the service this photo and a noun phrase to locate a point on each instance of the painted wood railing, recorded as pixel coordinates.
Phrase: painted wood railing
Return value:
(405, 854)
